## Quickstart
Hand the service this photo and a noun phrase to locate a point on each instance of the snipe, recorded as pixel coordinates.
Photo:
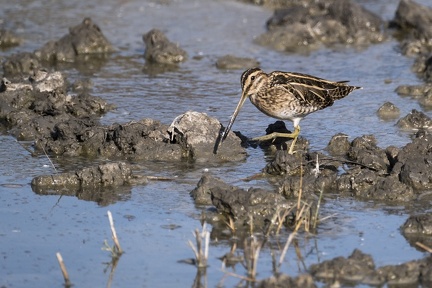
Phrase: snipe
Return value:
(287, 96)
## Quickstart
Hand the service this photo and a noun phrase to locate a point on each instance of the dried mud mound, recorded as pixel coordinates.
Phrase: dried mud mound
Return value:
(311, 24)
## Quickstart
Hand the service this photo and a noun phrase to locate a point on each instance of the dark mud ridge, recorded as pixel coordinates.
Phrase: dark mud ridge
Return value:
(38, 104)
(358, 268)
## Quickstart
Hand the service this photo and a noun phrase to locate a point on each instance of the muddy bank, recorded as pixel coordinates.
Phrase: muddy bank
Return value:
(42, 108)
(39, 104)
(359, 268)
(398, 175)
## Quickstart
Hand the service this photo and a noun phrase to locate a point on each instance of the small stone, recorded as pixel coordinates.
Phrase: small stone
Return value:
(338, 145)
(233, 62)
(388, 111)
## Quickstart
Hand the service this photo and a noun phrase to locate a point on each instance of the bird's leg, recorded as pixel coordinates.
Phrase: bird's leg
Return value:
(275, 135)
(296, 132)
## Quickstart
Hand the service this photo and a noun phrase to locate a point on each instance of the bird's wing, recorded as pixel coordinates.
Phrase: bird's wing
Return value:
(308, 90)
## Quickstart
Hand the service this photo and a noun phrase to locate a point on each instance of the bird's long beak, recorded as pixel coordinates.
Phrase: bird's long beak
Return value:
(233, 117)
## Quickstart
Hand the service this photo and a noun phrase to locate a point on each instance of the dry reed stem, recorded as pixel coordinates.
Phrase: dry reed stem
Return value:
(63, 270)
(239, 276)
(251, 255)
(230, 224)
(300, 190)
(201, 251)
(49, 159)
(291, 236)
(119, 250)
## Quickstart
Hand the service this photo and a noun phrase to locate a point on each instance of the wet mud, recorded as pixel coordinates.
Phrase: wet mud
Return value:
(37, 103)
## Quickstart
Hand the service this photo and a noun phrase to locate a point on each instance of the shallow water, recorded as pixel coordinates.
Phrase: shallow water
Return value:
(155, 221)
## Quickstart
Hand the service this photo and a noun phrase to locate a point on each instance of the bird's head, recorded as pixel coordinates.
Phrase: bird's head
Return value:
(251, 81)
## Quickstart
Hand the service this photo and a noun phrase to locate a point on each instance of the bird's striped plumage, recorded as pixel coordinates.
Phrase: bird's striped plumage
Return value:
(288, 95)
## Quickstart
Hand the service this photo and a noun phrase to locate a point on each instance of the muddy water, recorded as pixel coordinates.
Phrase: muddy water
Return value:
(155, 221)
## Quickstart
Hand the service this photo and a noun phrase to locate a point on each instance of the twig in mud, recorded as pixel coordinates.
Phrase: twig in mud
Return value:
(49, 159)
(279, 219)
(423, 246)
(63, 270)
(346, 161)
(328, 217)
(116, 250)
(230, 224)
(201, 249)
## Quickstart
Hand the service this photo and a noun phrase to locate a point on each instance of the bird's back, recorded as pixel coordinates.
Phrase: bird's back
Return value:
(310, 90)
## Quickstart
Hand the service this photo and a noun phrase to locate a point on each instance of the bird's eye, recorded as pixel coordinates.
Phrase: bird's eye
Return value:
(253, 78)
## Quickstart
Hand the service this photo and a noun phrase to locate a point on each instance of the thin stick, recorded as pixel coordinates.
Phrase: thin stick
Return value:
(206, 242)
(239, 276)
(52, 164)
(423, 246)
(114, 234)
(328, 217)
(315, 221)
(63, 270)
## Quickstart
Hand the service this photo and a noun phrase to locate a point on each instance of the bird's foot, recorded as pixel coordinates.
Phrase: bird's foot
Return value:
(275, 135)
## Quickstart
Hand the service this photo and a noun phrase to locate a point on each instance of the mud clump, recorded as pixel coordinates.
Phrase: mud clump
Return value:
(415, 120)
(8, 39)
(64, 124)
(300, 27)
(413, 22)
(85, 42)
(282, 280)
(391, 174)
(160, 50)
(423, 93)
(338, 145)
(247, 208)
(85, 38)
(418, 229)
(359, 268)
(370, 172)
(414, 163)
(201, 194)
(31, 108)
(140, 140)
(352, 269)
(253, 207)
(110, 174)
(388, 111)
(91, 183)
